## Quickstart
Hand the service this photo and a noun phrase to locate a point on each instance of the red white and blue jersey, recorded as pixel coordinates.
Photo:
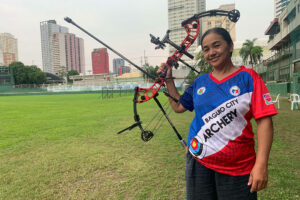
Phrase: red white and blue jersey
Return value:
(220, 135)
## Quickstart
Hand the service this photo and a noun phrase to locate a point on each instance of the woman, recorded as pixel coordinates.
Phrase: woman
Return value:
(221, 161)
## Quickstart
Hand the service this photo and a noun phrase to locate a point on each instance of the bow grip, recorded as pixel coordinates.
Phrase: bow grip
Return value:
(163, 75)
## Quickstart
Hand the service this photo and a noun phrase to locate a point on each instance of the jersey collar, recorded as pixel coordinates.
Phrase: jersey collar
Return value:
(226, 78)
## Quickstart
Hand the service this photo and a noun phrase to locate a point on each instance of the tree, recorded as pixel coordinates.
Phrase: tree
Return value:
(27, 74)
(251, 52)
(150, 70)
(62, 73)
(71, 73)
(190, 77)
(203, 66)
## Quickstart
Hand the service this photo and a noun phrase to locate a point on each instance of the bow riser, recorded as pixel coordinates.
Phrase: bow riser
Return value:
(145, 94)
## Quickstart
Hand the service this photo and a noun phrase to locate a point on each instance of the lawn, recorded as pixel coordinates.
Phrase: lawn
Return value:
(66, 147)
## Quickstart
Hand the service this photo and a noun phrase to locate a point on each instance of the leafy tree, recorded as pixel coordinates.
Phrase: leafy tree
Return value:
(251, 52)
(27, 74)
(62, 73)
(190, 77)
(71, 73)
(202, 65)
(150, 70)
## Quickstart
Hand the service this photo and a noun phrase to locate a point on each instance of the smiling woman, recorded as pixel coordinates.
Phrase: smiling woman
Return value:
(221, 139)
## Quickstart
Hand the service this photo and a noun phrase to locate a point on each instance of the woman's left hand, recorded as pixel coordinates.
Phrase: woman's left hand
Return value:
(258, 177)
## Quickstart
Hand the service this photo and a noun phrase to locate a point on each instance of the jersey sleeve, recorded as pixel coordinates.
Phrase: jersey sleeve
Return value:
(262, 104)
(186, 99)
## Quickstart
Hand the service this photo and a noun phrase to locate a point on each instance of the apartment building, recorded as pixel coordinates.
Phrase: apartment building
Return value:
(8, 48)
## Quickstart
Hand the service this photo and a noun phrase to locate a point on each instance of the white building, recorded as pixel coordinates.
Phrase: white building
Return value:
(279, 5)
(47, 29)
(58, 52)
(178, 11)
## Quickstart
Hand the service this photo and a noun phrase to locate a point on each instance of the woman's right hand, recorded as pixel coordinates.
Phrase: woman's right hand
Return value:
(163, 68)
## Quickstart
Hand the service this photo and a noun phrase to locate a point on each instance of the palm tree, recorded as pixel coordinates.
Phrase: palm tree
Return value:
(257, 53)
(249, 51)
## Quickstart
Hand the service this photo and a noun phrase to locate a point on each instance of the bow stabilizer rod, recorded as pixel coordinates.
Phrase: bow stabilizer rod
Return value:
(69, 20)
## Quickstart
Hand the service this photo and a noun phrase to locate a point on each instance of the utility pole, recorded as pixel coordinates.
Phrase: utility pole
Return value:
(145, 58)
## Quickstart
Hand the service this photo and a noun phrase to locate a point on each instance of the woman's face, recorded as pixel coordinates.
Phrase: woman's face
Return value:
(216, 50)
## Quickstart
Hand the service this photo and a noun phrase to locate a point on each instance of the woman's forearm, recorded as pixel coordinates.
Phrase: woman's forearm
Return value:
(264, 139)
(259, 175)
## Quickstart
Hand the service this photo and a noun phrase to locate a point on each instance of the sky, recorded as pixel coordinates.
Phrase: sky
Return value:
(124, 25)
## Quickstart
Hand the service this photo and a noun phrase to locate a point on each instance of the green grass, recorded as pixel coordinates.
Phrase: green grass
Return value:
(66, 147)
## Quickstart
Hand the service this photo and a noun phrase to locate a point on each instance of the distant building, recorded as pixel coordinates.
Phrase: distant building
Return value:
(1, 57)
(178, 11)
(6, 77)
(47, 29)
(124, 70)
(61, 50)
(100, 62)
(279, 5)
(284, 41)
(9, 48)
(117, 64)
(74, 53)
(58, 53)
(220, 21)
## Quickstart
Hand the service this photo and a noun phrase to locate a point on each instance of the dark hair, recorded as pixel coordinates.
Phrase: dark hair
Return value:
(220, 31)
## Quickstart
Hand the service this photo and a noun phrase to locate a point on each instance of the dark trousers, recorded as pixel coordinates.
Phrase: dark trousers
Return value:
(206, 184)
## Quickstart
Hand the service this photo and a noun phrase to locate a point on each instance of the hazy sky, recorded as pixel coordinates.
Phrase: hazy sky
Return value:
(125, 25)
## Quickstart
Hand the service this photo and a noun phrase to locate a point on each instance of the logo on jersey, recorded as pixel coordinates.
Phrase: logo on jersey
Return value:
(268, 99)
(196, 147)
(235, 90)
(201, 90)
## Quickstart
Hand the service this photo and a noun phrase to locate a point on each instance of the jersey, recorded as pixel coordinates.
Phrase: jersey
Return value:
(220, 135)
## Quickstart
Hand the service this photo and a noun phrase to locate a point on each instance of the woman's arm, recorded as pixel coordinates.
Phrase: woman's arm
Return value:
(259, 174)
(177, 107)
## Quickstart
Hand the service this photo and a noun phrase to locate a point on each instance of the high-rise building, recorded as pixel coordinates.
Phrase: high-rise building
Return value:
(279, 5)
(58, 53)
(74, 53)
(9, 48)
(47, 29)
(100, 62)
(179, 10)
(61, 50)
(220, 21)
(117, 63)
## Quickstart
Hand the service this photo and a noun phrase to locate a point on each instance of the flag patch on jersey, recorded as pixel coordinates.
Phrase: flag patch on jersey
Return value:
(268, 99)
(235, 91)
(201, 90)
(196, 147)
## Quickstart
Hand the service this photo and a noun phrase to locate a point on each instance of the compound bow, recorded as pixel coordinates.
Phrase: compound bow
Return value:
(192, 28)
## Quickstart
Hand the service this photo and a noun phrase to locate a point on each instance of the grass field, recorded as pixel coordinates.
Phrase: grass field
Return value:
(66, 147)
